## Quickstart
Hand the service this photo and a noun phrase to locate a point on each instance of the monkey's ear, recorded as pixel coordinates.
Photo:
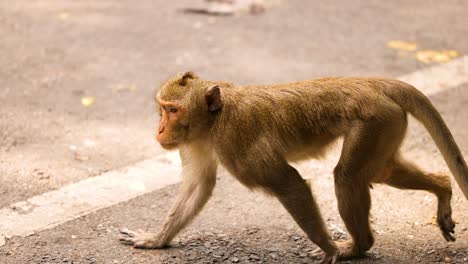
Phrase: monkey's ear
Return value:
(213, 98)
(185, 77)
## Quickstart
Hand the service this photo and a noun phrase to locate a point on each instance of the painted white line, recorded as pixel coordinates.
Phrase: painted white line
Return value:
(57, 207)
(438, 78)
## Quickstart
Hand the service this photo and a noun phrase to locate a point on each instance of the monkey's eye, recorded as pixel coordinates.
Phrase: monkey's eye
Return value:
(173, 110)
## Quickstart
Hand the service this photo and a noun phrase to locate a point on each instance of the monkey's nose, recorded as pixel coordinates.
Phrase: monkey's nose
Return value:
(161, 129)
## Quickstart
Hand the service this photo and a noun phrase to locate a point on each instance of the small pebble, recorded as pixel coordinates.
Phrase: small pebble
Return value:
(254, 257)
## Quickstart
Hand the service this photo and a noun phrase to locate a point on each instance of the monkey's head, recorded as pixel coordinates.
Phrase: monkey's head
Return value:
(187, 106)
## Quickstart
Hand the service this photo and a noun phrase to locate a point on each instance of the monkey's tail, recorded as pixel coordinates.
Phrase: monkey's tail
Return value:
(419, 106)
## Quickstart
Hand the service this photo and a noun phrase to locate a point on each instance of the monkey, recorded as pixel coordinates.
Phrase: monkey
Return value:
(256, 132)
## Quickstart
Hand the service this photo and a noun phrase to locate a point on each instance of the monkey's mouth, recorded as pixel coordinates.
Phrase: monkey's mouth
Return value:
(169, 145)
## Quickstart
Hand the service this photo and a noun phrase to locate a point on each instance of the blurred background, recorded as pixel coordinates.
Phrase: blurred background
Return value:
(77, 77)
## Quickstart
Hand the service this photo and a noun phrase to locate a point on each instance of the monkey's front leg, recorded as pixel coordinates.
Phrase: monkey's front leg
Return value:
(296, 196)
(198, 182)
(191, 199)
(140, 239)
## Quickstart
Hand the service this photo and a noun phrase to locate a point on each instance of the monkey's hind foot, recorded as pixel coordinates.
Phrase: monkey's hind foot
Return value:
(446, 223)
(140, 239)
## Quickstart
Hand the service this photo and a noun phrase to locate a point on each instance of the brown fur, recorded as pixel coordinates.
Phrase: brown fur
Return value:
(255, 131)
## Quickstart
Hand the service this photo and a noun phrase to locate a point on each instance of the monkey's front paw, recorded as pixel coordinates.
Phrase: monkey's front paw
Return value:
(348, 250)
(330, 258)
(140, 239)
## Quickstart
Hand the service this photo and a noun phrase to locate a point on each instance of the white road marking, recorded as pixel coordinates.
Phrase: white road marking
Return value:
(57, 207)
(69, 202)
(438, 78)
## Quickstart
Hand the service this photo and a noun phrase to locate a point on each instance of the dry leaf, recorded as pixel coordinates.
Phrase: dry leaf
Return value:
(402, 45)
(80, 157)
(428, 56)
(87, 101)
(433, 221)
(64, 15)
(453, 53)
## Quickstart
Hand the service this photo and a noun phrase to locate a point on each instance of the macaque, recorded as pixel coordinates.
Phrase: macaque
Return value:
(256, 131)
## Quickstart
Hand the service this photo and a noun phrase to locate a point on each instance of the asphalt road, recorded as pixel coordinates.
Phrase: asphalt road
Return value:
(54, 53)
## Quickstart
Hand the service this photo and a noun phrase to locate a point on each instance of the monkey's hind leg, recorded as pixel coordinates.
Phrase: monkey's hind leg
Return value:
(367, 147)
(405, 175)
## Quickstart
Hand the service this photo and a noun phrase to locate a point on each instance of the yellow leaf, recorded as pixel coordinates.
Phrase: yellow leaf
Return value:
(64, 15)
(453, 53)
(87, 101)
(441, 56)
(425, 56)
(433, 221)
(402, 45)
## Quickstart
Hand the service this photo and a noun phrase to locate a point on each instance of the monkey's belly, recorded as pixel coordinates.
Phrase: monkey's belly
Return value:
(315, 148)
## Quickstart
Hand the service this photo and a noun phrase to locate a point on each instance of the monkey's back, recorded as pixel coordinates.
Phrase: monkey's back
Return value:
(310, 102)
(307, 113)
